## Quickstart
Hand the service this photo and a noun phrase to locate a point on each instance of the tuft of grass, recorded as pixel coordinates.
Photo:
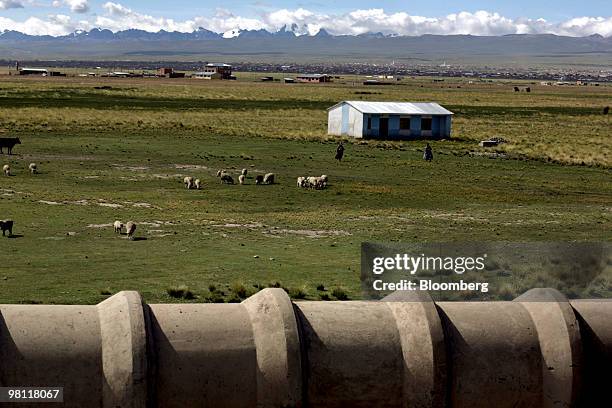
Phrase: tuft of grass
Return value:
(296, 293)
(340, 294)
(106, 292)
(239, 290)
(214, 297)
(180, 292)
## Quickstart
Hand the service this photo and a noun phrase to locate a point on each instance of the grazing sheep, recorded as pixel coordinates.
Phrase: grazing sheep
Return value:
(315, 182)
(268, 178)
(226, 179)
(6, 169)
(244, 172)
(241, 178)
(118, 226)
(33, 168)
(188, 181)
(301, 182)
(312, 181)
(130, 227)
(259, 179)
(6, 225)
(197, 183)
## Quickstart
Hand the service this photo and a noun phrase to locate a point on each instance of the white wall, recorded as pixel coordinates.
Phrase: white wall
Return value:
(334, 121)
(355, 123)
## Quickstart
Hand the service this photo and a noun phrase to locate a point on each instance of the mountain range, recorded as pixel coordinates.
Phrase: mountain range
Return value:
(286, 45)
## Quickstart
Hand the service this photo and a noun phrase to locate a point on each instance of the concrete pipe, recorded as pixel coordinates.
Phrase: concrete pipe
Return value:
(270, 352)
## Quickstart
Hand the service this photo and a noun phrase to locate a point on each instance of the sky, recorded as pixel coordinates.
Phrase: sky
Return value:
(351, 17)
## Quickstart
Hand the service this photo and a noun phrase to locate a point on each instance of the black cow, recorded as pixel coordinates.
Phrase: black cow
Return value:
(9, 143)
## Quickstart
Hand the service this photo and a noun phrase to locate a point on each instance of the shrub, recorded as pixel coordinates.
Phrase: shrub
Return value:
(321, 287)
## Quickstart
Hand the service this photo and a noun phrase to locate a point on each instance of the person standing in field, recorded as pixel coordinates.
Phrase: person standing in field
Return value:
(428, 153)
(339, 152)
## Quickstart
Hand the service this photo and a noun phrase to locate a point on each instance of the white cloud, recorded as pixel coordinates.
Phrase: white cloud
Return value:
(10, 4)
(55, 24)
(76, 6)
(301, 21)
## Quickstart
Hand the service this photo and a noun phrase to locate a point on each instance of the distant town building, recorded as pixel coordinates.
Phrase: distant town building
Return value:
(313, 78)
(224, 71)
(39, 71)
(389, 120)
(375, 82)
(169, 73)
(207, 75)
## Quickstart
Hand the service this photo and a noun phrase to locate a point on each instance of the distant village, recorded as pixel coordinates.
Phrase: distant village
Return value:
(309, 73)
(210, 71)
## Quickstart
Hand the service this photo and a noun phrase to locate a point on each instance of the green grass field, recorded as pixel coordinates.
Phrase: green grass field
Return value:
(121, 153)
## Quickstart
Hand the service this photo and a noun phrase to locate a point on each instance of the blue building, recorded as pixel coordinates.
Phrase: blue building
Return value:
(389, 120)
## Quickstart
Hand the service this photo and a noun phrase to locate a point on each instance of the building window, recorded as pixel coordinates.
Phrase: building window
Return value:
(369, 123)
(404, 123)
(426, 124)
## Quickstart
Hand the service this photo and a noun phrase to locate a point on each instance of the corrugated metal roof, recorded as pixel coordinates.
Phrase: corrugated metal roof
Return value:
(402, 108)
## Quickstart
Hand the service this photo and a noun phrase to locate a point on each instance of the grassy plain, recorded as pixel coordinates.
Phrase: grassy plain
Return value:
(121, 153)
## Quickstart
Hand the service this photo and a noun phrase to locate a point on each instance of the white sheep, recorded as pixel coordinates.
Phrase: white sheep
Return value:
(188, 181)
(268, 178)
(118, 226)
(6, 169)
(198, 184)
(33, 168)
(244, 172)
(322, 181)
(301, 181)
(312, 181)
(130, 227)
(241, 178)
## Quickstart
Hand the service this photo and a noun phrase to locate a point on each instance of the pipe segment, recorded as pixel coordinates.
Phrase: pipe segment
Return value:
(539, 350)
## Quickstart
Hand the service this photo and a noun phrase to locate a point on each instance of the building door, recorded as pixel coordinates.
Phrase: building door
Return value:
(383, 129)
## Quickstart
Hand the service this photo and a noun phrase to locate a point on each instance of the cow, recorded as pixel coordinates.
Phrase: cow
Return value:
(9, 143)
